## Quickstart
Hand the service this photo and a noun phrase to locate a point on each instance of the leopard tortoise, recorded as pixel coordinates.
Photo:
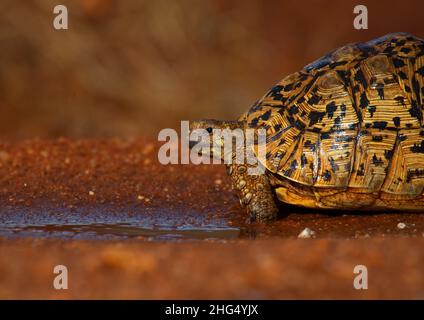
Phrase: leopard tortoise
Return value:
(346, 132)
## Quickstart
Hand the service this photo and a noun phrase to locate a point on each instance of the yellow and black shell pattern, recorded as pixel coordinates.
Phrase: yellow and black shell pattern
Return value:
(352, 119)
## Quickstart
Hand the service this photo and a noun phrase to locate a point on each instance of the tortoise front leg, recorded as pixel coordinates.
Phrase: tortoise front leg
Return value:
(254, 192)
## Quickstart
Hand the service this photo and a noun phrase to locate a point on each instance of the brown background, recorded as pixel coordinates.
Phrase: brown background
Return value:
(134, 67)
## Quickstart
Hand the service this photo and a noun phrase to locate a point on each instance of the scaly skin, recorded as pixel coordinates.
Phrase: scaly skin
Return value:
(254, 192)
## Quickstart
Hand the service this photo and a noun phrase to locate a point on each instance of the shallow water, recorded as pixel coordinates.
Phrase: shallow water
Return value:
(182, 224)
(116, 231)
(98, 225)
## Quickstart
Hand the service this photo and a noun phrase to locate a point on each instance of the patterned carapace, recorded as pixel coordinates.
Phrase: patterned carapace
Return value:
(350, 119)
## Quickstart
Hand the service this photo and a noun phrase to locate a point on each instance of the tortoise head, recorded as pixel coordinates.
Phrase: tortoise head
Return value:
(206, 136)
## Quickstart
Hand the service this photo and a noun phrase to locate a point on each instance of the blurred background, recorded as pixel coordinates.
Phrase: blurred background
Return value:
(133, 67)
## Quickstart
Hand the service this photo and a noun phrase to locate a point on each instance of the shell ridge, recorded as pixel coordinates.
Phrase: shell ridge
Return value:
(361, 94)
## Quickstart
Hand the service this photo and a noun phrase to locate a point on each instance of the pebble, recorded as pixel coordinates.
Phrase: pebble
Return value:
(306, 233)
(218, 182)
(401, 225)
(140, 197)
(91, 193)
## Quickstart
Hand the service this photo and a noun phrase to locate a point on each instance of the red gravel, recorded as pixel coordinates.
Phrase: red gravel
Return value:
(108, 180)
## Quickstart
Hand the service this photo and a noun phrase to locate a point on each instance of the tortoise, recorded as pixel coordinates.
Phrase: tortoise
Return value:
(346, 132)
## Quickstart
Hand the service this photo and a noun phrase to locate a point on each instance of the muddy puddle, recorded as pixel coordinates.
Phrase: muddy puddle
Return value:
(96, 224)
(163, 224)
(118, 231)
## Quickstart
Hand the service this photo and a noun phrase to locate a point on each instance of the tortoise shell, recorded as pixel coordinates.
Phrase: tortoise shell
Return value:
(351, 120)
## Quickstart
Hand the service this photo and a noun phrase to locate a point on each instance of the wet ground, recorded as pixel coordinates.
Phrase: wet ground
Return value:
(129, 227)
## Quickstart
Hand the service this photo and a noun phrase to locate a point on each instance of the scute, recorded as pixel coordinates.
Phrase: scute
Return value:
(406, 174)
(302, 165)
(352, 119)
(373, 159)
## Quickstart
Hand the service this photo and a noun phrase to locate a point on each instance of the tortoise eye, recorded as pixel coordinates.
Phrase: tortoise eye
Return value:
(209, 129)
